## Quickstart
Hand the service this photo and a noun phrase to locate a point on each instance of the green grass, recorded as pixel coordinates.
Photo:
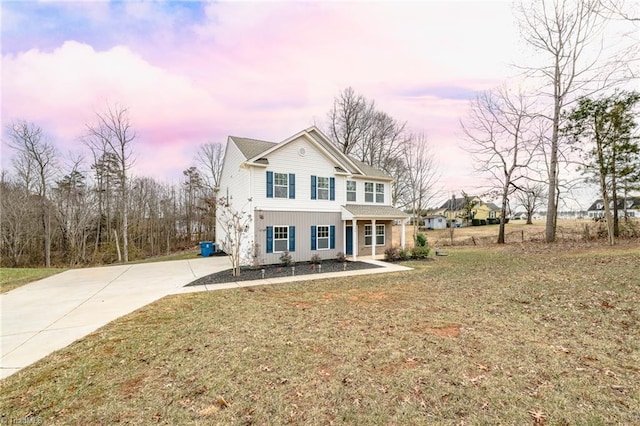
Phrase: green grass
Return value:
(185, 255)
(514, 335)
(11, 278)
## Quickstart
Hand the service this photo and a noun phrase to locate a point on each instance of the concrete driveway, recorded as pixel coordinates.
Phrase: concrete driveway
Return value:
(47, 315)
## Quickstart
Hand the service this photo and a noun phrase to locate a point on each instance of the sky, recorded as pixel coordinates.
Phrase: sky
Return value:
(195, 72)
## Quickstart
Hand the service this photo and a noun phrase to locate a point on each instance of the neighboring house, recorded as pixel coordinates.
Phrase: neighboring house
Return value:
(453, 209)
(308, 198)
(630, 204)
(437, 221)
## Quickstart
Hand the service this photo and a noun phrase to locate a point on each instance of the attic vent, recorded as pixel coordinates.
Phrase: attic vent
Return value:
(302, 152)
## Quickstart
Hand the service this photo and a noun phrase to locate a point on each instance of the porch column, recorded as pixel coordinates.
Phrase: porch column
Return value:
(373, 238)
(402, 242)
(344, 237)
(354, 238)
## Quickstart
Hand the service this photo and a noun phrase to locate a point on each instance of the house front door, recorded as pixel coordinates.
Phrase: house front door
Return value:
(349, 248)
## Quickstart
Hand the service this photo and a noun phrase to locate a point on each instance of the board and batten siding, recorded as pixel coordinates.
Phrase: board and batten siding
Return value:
(303, 221)
(234, 182)
(301, 158)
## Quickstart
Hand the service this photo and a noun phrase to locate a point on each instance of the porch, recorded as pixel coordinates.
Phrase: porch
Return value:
(368, 229)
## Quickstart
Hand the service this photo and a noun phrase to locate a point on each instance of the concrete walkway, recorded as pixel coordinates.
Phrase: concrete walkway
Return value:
(42, 317)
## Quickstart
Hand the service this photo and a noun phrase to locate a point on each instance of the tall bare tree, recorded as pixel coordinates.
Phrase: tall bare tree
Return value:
(36, 157)
(114, 133)
(210, 157)
(563, 32)
(503, 139)
(350, 120)
(421, 176)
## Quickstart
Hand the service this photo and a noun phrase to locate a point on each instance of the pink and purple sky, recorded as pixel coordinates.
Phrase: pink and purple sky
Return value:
(196, 72)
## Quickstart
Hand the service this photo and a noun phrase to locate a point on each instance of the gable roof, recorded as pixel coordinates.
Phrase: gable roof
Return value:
(255, 151)
(635, 203)
(251, 148)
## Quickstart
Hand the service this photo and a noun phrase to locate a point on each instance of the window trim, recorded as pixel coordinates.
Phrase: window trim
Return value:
(383, 235)
(276, 185)
(275, 227)
(323, 188)
(371, 193)
(327, 238)
(379, 193)
(354, 191)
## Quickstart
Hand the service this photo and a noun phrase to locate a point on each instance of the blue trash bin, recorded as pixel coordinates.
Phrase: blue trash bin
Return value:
(206, 248)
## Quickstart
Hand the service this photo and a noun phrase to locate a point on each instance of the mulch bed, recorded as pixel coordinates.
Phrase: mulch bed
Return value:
(276, 271)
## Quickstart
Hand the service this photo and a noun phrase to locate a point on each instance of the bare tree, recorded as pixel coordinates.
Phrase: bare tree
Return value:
(422, 176)
(210, 157)
(36, 157)
(18, 221)
(113, 132)
(74, 213)
(350, 120)
(563, 32)
(503, 140)
(233, 224)
(530, 195)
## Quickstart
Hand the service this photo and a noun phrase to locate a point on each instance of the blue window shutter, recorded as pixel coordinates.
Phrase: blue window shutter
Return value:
(313, 237)
(332, 188)
(332, 237)
(269, 184)
(269, 239)
(292, 185)
(292, 238)
(313, 187)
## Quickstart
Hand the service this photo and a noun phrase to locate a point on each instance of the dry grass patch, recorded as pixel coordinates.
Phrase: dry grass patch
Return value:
(499, 335)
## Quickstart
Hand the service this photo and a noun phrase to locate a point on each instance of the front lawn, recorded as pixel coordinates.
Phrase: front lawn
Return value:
(539, 334)
(11, 278)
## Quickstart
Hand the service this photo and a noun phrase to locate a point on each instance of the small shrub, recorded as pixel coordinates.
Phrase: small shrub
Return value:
(316, 260)
(340, 257)
(285, 258)
(419, 252)
(391, 254)
(421, 240)
(404, 254)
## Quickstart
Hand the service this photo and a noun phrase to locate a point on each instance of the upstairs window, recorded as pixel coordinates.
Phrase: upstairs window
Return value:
(351, 191)
(379, 192)
(323, 188)
(368, 192)
(281, 185)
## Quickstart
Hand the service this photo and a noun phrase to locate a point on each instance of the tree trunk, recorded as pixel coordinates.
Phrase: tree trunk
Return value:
(115, 234)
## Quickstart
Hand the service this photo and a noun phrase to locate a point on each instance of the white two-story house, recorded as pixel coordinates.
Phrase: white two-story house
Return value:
(307, 198)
